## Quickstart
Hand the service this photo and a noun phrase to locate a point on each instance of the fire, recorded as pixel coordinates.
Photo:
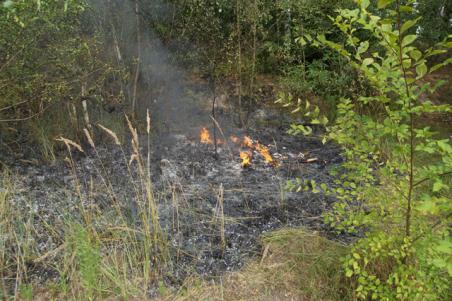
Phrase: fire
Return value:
(263, 150)
(247, 142)
(205, 136)
(246, 159)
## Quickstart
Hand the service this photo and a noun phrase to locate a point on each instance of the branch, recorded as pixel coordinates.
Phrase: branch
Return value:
(438, 222)
(427, 179)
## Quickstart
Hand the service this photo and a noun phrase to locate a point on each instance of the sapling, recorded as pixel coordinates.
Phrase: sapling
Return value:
(392, 190)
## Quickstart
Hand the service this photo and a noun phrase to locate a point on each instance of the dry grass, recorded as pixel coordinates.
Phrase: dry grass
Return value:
(295, 265)
(99, 253)
(104, 256)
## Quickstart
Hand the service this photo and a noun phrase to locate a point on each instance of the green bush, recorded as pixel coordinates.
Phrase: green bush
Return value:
(399, 200)
(49, 64)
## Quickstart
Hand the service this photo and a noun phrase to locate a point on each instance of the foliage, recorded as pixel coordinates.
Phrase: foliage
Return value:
(266, 31)
(435, 23)
(327, 78)
(385, 187)
(87, 258)
(48, 63)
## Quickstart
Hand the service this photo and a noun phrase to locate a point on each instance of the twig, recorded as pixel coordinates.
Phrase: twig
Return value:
(438, 222)
(50, 253)
(427, 179)
(224, 137)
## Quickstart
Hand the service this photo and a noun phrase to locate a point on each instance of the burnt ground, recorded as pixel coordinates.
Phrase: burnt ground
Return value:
(190, 182)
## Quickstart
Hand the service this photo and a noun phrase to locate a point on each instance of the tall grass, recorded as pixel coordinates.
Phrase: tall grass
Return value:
(17, 245)
(100, 253)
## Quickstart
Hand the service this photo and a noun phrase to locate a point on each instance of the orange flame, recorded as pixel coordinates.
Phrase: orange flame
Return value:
(247, 142)
(205, 136)
(263, 150)
(246, 159)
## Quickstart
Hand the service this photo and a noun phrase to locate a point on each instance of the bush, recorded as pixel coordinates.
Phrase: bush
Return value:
(394, 195)
(49, 65)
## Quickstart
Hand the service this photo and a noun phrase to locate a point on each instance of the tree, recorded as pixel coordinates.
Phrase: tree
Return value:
(393, 185)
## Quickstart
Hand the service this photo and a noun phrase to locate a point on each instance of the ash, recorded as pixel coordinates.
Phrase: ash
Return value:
(191, 183)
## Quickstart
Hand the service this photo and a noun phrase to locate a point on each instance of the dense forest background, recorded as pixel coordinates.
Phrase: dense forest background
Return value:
(372, 77)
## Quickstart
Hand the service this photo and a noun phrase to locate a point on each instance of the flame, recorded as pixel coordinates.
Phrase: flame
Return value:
(246, 159)
(205, 136)
(247, 142)
(263, 150)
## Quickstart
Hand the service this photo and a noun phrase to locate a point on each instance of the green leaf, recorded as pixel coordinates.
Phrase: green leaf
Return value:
(436, 67)
(421, 70)
(445, 146)
(302, 41)
(363, 47)
(365, 3)
(445, 246)
(368, 61)
(415, 54)
(407, 40)
(348, 273)
(408, 24)
(383, 3)
(438, 185)
(406, 9)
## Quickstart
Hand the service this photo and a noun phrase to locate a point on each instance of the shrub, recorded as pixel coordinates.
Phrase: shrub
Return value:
(399, 196)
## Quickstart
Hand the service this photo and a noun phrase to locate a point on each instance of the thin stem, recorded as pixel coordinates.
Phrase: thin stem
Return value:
(411, 121)
(426, 179)
(239, 60)
(214, 100)
(137, 68)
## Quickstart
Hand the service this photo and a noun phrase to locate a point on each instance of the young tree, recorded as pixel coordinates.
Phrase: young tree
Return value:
(395, 183)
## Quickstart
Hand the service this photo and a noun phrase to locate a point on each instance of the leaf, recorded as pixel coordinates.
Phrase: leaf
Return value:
(383, 3)
(436, 67)
(421, 70)
(368, 61)
(363, 47)
(445, 246)
(406, 9)
(302, 41)
(438, 185)
(408, 24)
(415, 54)
(407, 40)
(365, 3)
(444, 146)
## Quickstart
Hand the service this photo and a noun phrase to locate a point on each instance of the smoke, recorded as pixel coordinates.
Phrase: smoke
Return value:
(161, 84)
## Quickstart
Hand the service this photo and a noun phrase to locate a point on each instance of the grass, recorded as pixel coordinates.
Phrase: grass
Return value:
(295, 265)
(110, 255)
(99, 253)
(101, 259)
